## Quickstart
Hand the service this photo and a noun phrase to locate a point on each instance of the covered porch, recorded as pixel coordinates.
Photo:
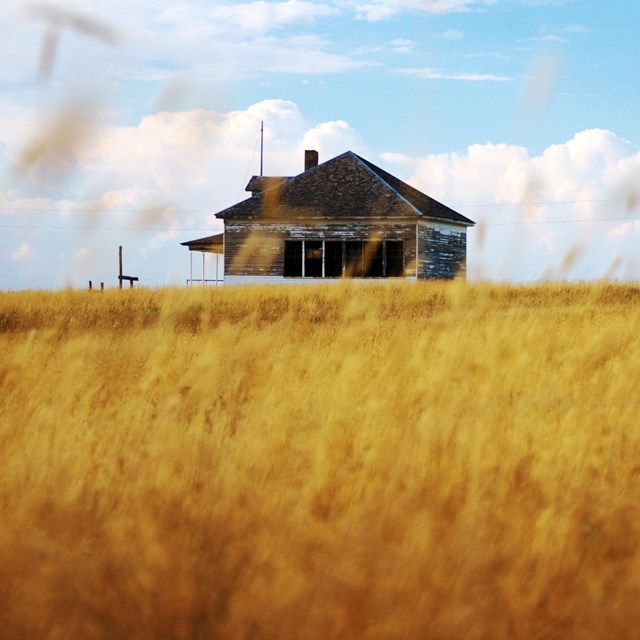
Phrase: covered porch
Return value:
(206, 246)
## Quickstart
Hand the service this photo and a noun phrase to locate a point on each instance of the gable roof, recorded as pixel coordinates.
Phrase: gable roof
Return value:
(346, 187)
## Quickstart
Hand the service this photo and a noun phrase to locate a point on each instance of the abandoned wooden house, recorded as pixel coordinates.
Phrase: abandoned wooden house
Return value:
(343, 218)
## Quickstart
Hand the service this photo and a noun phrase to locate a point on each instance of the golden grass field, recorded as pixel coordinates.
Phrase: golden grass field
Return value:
(417, 461)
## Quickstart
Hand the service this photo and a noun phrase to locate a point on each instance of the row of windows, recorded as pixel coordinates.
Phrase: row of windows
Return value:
(343, 258)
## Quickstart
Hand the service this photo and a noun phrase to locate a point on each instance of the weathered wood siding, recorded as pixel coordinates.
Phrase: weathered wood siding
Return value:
(240, 280)
(257, 249)
(253, 249)
(442, 251)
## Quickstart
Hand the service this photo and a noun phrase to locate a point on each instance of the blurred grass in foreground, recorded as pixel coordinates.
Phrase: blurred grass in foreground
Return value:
(416, 461)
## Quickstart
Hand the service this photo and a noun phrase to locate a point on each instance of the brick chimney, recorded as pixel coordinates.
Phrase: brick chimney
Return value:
(310, 159)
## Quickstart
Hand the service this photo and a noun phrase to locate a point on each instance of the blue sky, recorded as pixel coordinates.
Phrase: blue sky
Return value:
(132, 122)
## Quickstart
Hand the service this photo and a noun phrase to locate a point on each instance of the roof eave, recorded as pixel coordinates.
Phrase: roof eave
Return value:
(372, 219)
(460, 223)
(369, 166)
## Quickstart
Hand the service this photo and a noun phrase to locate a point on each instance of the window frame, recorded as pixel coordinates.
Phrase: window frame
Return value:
(383, 260)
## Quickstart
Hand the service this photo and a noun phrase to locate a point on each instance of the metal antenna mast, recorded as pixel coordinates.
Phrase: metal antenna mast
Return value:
(261, 145)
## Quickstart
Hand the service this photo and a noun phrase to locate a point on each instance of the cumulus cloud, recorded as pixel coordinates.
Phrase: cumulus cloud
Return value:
(193, 157)
(536, 211)
(593, 168)
(185, 155)
(331, 138)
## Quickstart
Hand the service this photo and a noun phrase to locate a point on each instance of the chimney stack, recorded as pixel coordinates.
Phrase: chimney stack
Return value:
(310, 159)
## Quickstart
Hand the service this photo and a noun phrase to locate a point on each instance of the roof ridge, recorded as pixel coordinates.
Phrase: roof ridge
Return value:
(378, 171)
(375, 169)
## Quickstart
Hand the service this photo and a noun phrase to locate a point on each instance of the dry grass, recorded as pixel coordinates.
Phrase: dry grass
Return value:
(423, 461)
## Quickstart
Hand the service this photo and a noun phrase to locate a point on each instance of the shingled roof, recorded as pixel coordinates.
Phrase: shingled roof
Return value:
(258, 184)
(210, 244)
(346, 187)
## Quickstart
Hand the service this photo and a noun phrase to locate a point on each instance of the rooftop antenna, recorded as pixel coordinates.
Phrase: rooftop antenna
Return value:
(261, 145)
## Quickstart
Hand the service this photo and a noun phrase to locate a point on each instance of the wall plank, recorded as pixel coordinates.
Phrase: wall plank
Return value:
(257, 249)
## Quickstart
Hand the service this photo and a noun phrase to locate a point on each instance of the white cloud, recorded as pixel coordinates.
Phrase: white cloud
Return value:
(549, 37)
(23, 253)
(377, 10)
(262, 16)
(577, 28)
(427, 73)
(210, 41)
(401, 45)
(171, 157)
(206, 41)
(450, 34)
(160, 240)
(331, 138)
(534, 210)
(82, 256)
(594, 165)
(303, 54)
(195, 158)
(253, 17)
(547, 3)
(626, 231)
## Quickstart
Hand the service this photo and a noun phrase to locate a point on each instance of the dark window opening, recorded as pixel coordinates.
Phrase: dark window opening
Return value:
(313, 258)
(348, 258)
(293, 259)
(333, 259)
(395, 258)
(374, 259)
(354, 257)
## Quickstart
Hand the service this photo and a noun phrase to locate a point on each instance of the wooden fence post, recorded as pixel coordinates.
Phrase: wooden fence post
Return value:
(120, 266)
(131, 279)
